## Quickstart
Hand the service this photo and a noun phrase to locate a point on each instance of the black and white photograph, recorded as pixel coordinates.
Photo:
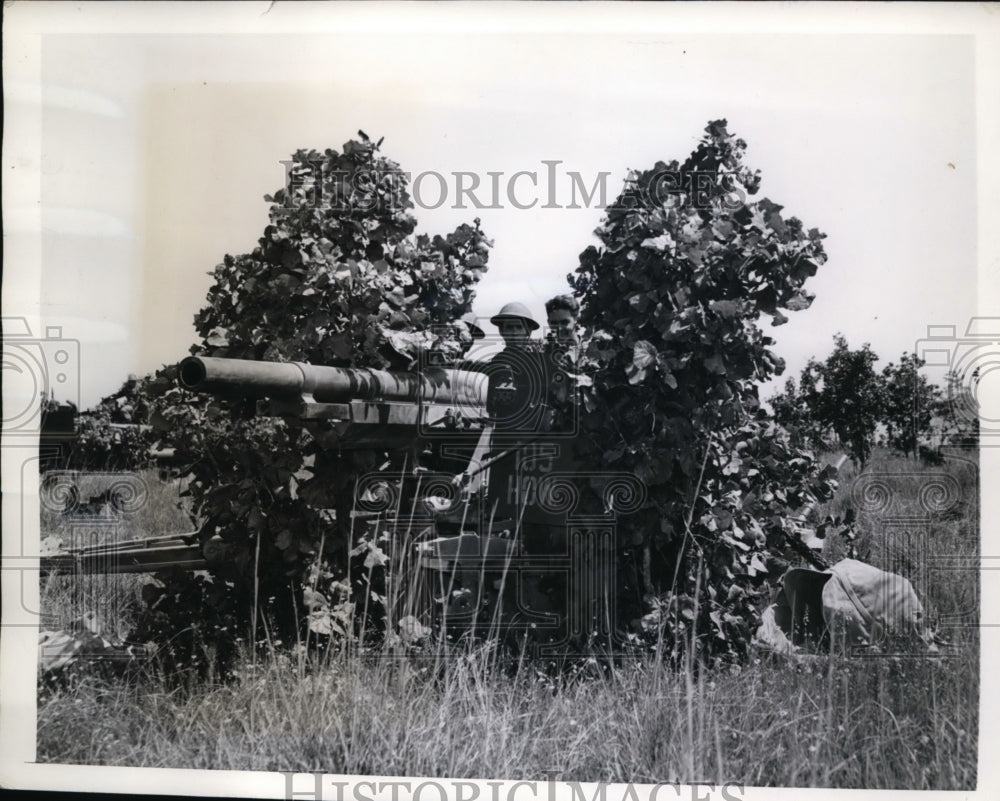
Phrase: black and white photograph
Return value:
(500, 401)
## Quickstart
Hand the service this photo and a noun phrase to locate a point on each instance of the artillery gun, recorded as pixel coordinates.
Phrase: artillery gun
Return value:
(363, 408)
(345, 408)
(464, 566)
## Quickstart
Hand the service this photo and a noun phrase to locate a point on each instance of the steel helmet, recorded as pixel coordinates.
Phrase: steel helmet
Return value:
(515, 310)
(470, 320)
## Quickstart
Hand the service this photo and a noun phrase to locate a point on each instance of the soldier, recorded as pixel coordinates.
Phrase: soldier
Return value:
(535, 468)
(515, 323)
(562, 348)
(456, 340)
(516, 385)
(521, 402)
(445, 345)
(562, 311)
(511, 399)
(475, 332)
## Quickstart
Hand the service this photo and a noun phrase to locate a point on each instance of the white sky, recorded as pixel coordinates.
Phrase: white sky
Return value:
(156, 151)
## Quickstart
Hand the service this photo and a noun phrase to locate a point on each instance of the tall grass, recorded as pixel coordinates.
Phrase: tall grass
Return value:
(888, 722)
(876, 723)
(935, 544)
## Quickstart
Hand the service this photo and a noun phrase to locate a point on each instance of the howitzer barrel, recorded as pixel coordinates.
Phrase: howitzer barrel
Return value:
(289, 380)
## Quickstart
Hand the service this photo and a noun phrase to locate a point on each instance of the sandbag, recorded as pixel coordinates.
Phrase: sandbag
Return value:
(850, 605)
(863, 605)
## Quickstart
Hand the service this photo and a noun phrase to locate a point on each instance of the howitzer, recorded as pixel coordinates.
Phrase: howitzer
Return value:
(363, 407)
(467, 565)
(366, 408)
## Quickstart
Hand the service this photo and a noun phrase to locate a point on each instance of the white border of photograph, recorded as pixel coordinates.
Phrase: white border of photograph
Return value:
(26, 24)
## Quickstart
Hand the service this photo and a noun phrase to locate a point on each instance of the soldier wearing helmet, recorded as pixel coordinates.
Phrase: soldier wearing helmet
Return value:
(470, 321)
(515, 323)
(516, 385)
(514, 400)
(466, 332)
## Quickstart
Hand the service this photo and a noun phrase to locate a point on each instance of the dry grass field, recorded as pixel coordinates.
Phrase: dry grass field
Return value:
(904, 721)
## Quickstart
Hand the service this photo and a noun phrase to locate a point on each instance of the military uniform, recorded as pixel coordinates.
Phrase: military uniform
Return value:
(515, 407)
(547, 468)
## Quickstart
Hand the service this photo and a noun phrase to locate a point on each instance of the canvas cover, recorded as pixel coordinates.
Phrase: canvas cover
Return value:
(850, 605)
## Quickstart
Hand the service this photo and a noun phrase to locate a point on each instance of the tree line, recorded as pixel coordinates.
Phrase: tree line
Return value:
(845, 402)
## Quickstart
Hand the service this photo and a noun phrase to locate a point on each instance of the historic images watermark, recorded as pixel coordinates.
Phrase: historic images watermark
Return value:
(89, 513)
(965, 365)
(543, 577)
(907, 510)
(547, 186)
(35, 370)
(319, 786)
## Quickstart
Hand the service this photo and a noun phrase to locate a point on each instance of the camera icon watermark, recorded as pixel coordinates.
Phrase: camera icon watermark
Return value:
(41, 376)
(968, 367)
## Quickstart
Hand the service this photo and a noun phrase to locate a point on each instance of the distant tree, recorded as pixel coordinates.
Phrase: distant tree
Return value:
(959, 410)
(113, 435)
(792, 411)
(845, 393)
(910, 401)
